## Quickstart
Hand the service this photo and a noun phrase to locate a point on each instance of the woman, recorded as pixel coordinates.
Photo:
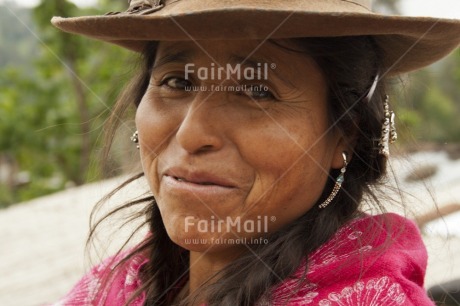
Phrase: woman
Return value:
(263, 128)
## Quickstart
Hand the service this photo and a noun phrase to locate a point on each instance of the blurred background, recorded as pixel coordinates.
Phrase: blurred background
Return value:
(57, 90)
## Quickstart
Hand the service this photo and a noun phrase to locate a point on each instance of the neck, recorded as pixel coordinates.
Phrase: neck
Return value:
(204, 266)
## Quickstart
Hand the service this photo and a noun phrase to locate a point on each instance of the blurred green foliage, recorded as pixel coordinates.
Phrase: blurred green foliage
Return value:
(54, 98)
(56, 91)
(428, 106)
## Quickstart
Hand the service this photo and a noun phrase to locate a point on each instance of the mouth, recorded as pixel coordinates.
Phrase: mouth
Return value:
(198, 178)
(208, 186)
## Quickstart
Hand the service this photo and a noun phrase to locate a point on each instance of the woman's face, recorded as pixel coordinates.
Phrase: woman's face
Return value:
(244, 152)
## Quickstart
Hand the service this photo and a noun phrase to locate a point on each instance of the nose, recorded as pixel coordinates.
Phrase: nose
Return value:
(201, 129)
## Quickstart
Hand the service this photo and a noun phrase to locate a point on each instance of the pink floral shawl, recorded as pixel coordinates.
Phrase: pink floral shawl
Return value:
(372, 261)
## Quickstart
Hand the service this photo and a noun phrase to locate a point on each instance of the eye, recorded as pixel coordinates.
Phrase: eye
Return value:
(259, 92)
(176, 83)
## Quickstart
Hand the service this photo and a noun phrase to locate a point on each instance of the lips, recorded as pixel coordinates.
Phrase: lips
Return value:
(202, 178)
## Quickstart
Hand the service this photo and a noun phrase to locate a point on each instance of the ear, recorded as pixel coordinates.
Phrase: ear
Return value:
(343, 145)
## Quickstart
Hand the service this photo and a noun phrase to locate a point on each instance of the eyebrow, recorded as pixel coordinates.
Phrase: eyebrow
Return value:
(174, 57)
(248, 62)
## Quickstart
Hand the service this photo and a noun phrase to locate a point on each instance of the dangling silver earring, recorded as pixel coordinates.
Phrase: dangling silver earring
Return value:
(389, 134)
(135, 138)
(338, 183)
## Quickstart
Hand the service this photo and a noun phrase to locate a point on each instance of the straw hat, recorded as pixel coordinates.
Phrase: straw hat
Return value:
(408, 43)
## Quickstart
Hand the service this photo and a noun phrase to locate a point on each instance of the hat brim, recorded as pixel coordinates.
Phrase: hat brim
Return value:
(408, 43)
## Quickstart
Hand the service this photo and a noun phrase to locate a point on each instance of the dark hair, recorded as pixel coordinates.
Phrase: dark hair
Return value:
(349, 65)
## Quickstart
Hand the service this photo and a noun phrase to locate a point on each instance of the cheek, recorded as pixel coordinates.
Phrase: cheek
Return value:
(290, 175)
(156, 126)
(155, 122)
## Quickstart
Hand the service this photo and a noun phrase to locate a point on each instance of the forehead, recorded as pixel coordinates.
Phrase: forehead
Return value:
(286, 55)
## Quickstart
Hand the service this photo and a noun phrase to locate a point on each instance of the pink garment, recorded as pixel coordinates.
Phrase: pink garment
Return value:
(359, 265)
